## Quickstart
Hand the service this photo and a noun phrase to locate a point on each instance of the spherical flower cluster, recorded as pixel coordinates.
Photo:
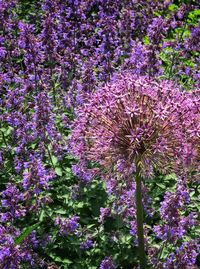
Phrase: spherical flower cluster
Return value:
(136, 119)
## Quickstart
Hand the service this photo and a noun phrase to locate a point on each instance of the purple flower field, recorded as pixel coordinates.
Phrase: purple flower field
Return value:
(99, 134)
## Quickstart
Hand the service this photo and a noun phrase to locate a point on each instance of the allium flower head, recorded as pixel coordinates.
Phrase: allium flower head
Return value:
(135, 119)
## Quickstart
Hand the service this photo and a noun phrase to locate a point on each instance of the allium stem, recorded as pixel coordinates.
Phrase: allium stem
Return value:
(139, 215)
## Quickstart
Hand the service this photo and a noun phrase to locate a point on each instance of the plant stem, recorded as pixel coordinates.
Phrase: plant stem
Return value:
(139, 216)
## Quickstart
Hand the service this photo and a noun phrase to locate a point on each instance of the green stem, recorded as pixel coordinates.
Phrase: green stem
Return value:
(139, 216)
(49, 153)
(6, 144)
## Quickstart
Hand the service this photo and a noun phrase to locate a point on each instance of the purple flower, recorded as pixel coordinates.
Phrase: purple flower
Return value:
(12, 255)
(33, 56)
(87, 244)
(157, 29)
(135, 117)
(82, 172)
(133, 230)
(36, 177)
(193, 42)
(12, 202)
(184, 257)
(107, 263)
(175, 223)
(67, 226)
(104, 212)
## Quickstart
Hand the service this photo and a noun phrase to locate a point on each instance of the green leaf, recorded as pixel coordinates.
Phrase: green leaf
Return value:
(90, 226)
(192, 193)
(58, 171)
(172, 7)
(146, 40)
(80, 205)
(164, 253)
(54, 160)
(42, 214)
(68, 170)
(170, 176)
(64, 261)
(61, 211)
(25, 233)
(162, 186)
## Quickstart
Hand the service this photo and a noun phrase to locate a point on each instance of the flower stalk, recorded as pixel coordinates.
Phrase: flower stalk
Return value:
(139, 216)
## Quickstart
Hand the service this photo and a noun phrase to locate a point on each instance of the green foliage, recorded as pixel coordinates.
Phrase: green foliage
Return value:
(26, 232)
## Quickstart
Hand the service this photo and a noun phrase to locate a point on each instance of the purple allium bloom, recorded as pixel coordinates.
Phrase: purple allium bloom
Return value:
(136, 117)
(67, 226)
(107, 263)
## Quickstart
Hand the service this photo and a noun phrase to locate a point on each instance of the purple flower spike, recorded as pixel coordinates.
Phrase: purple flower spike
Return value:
(67, 226)
(107, 263)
